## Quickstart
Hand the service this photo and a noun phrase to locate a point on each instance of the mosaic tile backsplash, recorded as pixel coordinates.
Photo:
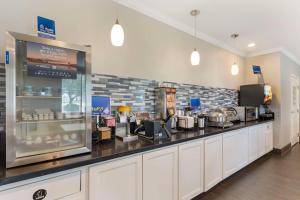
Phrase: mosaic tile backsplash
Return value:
(140, 94)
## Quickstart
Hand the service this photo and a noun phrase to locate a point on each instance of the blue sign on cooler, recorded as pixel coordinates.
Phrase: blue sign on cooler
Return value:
(100, 105)
(46, 28)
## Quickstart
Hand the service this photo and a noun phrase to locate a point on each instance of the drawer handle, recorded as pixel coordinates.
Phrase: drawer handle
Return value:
(39, 194)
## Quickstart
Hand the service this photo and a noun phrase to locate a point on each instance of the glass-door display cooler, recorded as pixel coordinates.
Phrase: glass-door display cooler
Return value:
(48, 101)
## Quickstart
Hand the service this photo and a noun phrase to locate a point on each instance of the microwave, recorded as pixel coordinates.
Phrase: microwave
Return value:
(247, 113)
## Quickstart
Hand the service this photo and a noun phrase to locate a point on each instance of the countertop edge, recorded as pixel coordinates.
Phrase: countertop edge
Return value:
(39, 173)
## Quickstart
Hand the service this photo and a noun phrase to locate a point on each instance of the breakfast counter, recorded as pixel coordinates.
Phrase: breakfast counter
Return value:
(108, 151)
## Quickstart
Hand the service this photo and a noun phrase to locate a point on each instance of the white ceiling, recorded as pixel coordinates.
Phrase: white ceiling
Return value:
(274, 25)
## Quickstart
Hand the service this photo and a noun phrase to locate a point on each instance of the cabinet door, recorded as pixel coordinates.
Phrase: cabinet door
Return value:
(116, 180)
(269, 137)
(235, 151)
(243, 148)
(160, 174)
(261, 140)
(231, 153)
(191, 169)
(212, 161)
(253, 143)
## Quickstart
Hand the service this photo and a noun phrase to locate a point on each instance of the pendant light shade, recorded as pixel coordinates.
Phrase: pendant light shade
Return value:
(234, 69)
(195, 57)
(117, 35)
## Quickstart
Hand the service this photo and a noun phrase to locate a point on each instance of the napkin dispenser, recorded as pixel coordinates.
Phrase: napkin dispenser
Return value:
(186, 122)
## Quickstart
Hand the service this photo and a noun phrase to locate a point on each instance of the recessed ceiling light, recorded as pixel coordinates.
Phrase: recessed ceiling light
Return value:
(252, 44)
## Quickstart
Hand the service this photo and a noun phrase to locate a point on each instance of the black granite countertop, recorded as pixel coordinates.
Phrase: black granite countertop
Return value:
(108, 151)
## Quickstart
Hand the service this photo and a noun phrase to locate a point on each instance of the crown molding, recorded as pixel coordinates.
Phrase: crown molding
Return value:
(264, 52)
(135, 5)
(290, 56)
(281, 50)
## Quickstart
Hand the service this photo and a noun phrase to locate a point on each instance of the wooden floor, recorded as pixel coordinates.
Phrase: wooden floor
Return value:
(270, 178)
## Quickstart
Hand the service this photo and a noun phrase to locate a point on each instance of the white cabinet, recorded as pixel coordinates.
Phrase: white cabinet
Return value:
(116, 180)
(244, 148)
(212, 161)
(191, 169)
(230, 153)
(253, 143)
(160, 174)
(269, 137)
(63, 186)
(235, 151)
(261, 140)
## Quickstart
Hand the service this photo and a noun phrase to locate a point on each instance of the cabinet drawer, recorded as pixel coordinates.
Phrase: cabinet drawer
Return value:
(53, 188)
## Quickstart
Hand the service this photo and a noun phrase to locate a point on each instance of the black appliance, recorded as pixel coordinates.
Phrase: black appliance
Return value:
(154, 130)
(252, 95)
(267, 116)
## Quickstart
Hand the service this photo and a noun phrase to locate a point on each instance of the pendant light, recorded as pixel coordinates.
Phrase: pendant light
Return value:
(117, 34)
(235, 66)
(234, 69)
(195, 56)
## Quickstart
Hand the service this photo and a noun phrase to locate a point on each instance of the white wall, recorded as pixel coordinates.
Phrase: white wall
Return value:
(152, 50)
(277, 69)
(288, 68)
(270, 65)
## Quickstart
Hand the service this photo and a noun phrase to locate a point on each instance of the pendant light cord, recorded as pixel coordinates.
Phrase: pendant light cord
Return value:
(117, 10)
(234, 37)
(234, 61)
(195, 26)
(235, 45)
(195, 13)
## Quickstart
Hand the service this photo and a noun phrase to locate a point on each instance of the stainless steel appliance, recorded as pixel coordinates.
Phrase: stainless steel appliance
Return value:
(231, 114)
(165, 102)
(48, 110)
(247, 114)
(219, 118)
(125, 119)
(165, 107)
(201, 121)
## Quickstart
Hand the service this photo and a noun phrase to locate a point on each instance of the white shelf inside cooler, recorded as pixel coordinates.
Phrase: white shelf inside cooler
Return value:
(40, 97)
(49, 121)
